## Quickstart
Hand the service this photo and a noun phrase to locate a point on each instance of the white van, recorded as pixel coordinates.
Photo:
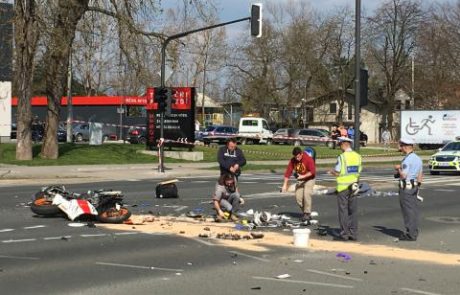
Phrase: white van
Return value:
(254, 130)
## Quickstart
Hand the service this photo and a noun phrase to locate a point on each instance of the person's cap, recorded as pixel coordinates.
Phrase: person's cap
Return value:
(344, 139)
(407, 141)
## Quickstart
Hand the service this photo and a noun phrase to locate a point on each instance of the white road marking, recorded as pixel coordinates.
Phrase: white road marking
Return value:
(444, 190)
(6, 230)
(277, 183)
(18, 241)
(181, 208)
(203, 241)
(93, 235)
(139, 266)
(34, 227)
(56, 238)
(126, 233)
(201, 181)
(334, 275)
(304, 282)
(249, 256)
(248, 182)
(419, 291)
(19, 257)
(133, 180)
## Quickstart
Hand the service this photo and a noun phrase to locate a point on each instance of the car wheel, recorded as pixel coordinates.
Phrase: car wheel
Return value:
(105, 138)
(269, 142)
(244, 141)
(142, 140)
(79, 137)
(297, 143)
(330, 144)
(434, 172)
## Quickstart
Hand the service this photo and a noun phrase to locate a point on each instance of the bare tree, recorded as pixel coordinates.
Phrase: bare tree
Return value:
(27, 33)
(391, 41)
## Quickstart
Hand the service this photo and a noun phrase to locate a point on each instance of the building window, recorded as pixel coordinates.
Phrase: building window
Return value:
(350, 111)
(333, 108)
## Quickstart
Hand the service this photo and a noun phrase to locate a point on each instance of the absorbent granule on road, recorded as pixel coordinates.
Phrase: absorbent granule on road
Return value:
(192, 228)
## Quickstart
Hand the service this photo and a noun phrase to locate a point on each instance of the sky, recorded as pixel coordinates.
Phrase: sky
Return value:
(234, 9)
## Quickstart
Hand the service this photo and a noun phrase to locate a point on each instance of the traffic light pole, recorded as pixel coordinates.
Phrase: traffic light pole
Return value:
(358, 73)
(161, 168)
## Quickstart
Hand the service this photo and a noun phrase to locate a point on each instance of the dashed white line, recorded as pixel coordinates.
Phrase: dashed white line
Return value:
(93, 235)
(126, 233)
(334, 275)
(248, 182)
(201, 181)
(19, 257)
(18, 241)
(202, 241)
(249, 256)
(304, 282)
(444, 190)
(6, 230)
(419, 291)
(34, 227)
(139, 266)
(56, 238)
(181, 208)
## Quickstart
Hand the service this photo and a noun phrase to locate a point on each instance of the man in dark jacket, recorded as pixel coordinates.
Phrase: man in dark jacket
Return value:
(230, 158)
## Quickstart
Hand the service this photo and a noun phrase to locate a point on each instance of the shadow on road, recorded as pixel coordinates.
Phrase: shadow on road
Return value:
(396, 233)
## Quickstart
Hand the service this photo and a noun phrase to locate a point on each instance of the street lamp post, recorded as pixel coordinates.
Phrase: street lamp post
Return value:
(358, 72)
(69, 99)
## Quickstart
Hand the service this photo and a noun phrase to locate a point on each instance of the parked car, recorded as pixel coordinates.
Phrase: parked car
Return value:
(312, 137)
(446, 159)
(284, 136)
(137, 135)
(218, 134)
(81, 133)
(362, 138)
(38, 132)
(199, 134)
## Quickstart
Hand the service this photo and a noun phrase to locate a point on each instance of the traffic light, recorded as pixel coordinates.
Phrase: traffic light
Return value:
(256, 20)
(363, 87)
(170, 100)
(161, 95)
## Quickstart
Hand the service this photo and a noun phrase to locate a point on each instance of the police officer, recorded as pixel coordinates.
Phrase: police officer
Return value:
(347, 171)
(410, 176)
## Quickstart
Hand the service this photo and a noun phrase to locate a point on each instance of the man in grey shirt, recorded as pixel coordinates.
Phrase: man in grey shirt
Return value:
(226, 197)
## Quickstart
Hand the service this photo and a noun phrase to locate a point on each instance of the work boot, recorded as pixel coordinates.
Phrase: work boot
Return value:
(234, 218)
(219, 219)
(306, 217)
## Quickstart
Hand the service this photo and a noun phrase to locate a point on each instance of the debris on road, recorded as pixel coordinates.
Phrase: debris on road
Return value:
(283, 276)
(256, 288)
(344, 257)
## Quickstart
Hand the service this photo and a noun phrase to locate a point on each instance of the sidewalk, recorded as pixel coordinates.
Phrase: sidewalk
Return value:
(16, 175)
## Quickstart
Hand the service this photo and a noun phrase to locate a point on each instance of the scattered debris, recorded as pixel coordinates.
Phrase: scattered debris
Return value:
(283, 276)
(91, 224)
(203, 236)
(64, 238)
(298, 261)
(178, 273)
(347, 272)
(256, 288)
(344, 257)
(207, 229)
(365, 272)
(189, 263)
(372, 262)
(257, 235)
(233, 237)
(182, 232)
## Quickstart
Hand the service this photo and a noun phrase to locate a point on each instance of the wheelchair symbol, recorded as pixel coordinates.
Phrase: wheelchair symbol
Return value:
(412, 128)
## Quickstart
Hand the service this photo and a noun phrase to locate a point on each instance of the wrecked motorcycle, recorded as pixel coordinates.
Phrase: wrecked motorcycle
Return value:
(106, 205)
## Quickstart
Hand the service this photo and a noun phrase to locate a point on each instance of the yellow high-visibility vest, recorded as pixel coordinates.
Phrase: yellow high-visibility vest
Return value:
(349, 170)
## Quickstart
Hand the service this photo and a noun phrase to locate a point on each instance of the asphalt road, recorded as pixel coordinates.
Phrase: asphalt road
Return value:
(46, 256)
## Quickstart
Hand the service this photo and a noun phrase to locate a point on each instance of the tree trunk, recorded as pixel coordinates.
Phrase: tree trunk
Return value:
(26, 37)
(68, 13)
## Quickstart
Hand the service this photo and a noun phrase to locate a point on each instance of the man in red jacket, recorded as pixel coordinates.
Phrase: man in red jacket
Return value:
(304, 168)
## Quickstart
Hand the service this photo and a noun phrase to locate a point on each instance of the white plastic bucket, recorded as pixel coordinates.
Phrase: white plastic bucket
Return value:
(301, 237)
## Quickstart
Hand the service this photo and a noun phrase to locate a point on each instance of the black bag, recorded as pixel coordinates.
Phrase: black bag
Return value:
(165, 191)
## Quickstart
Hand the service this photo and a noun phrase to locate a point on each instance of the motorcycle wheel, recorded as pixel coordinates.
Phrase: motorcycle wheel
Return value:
(114, 216)
(44, 207)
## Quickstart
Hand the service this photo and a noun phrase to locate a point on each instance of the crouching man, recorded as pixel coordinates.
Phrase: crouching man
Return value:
(227, 198)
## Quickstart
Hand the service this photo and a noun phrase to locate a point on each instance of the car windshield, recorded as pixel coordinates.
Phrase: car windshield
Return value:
(210, 128)
(453, 146)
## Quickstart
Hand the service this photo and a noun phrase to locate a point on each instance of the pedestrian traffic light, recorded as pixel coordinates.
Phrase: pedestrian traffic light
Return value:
(160, 98)
(170, 100)
(363, 87)
(256, 20)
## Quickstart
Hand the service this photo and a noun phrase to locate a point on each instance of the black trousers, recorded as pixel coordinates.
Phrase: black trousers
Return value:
(348, 214)
(410, 210)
